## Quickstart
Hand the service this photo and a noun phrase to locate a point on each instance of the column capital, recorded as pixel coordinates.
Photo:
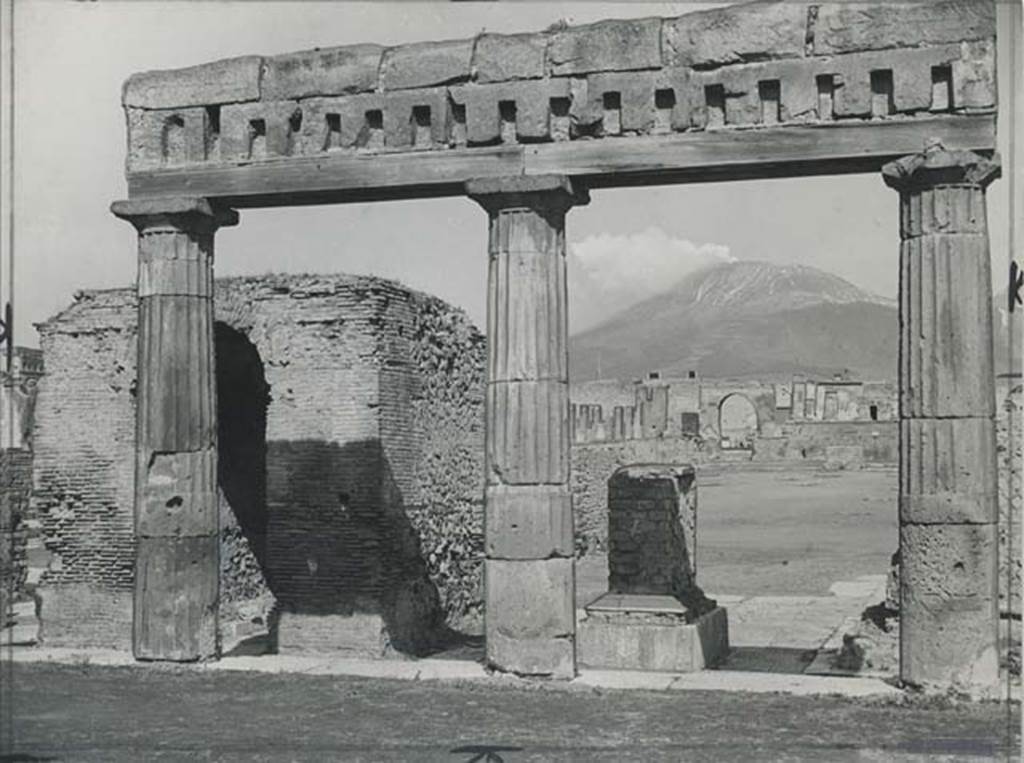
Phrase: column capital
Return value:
(185, 214)
(546, 194)
(936, 165)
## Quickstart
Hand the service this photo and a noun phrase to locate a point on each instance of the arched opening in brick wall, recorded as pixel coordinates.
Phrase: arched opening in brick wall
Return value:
(242, 400)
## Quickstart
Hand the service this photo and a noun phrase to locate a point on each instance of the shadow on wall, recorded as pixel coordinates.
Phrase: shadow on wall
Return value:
(242, 399)
(321, 524)
(340, 543)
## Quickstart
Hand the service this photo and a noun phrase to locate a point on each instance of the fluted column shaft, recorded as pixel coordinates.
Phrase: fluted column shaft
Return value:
(177, 563)
(948, 510)
(529, 568)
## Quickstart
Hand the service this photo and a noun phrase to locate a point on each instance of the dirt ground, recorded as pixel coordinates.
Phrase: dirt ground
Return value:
(783, 532)
(82, 713)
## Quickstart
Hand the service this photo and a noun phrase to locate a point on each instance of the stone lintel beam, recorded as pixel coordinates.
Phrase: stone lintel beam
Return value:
(528, 514)
(176, 513)
(948, 490)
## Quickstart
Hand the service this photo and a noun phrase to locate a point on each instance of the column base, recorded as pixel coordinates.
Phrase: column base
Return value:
(531, 619)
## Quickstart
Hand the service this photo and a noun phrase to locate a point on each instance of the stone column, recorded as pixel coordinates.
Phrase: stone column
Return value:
(947, 507)
(529, 569)
(177, 561)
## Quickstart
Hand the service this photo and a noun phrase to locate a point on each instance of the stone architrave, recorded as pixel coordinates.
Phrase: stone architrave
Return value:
(949, 613)
(177, 560)
(529, 568)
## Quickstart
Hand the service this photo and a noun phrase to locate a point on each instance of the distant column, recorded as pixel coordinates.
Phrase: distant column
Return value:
(177, 562)
(948, 510)
(529, 569)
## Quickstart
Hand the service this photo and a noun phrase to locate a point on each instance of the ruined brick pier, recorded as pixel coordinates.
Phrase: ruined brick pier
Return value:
(525, 124)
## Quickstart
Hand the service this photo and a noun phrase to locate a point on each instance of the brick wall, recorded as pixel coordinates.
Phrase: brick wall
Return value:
(15, 490)
(352, 392)
(594, 463)
(652, 514)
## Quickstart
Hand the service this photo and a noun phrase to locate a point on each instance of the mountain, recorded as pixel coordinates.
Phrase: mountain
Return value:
(746, 318)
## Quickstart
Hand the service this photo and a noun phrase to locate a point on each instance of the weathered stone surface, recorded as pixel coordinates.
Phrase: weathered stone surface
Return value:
(625, 641)
(503, 57)
(528, 435)
(954, 565)
(848, 27)
(484, 122)
(176, 588)
(179, 498)
(974, 76)
(912, 84)
(943, 645)
(948, 470)
(228, 81)
(324, 71)
(529, 599)
(530, 615)
(402, 114)
(750, 32)
(426, 64)
(260, 130)
(553, 657)
(356, 634)
(529, 521)
(339, 123)
(168, 137)
(634, 94)
(612, 45)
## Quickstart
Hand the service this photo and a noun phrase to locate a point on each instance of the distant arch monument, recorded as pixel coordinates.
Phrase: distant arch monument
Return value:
(528, 125)
(737, 419)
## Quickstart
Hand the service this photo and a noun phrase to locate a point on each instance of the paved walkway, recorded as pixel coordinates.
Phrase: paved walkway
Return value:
(774, 640)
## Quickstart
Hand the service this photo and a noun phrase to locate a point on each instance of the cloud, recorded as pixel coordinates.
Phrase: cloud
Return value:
(608, 273)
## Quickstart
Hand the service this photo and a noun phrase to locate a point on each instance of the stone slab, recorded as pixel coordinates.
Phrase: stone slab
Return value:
(528, 521)
(553, 656)
(529, 599)
(614, 45)
(503, 57)
(847, 27)
(750, 32)
(949, 642)
(359, 634)
(621, 642)
(228, 81)
(426, 64)
(624, 603)
(342, 70)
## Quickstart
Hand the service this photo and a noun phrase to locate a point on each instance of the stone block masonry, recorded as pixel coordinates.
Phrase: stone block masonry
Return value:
(362, 532)
(750, 66)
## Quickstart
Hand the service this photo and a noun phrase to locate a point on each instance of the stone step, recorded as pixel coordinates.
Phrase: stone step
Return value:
(21, 634)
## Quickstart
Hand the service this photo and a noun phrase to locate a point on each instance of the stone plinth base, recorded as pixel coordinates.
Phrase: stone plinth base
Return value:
(355, 635)
(650, 632)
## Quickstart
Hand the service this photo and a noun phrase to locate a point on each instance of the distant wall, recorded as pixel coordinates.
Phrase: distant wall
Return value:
(350, 460)
(594, 463)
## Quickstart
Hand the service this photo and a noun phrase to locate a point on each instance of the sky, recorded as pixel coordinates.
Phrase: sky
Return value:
(71, 59)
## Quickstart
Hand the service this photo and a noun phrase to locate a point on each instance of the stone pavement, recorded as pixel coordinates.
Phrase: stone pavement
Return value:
(775, 641)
